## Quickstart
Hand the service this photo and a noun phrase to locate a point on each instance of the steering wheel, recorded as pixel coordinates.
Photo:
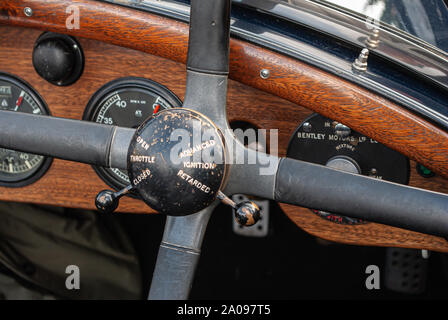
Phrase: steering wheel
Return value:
(159, 156)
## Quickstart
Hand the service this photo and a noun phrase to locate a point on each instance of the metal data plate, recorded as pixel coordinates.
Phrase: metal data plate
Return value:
(261, 228)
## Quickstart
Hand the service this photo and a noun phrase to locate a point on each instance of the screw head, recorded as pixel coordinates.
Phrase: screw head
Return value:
(265, 73)
(342, 130)
(28, 11)
(307, 127)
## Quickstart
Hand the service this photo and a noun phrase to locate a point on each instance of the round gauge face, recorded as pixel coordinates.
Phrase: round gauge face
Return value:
(20, 168)
(319, 140)
(127, 102)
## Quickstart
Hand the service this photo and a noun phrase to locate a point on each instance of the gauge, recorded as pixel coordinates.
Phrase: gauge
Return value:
(127, 102)
(324, 141)
(19, 168)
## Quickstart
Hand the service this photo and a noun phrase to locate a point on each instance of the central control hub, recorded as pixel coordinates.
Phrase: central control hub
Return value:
(177, 161)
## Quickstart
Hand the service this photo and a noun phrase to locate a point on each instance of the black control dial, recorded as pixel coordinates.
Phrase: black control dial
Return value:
(127, 102)
(324, 141)
(177, 162)
(58, 58)
(20, 168)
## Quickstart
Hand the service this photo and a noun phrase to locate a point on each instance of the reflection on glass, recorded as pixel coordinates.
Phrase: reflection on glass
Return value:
(425, 19)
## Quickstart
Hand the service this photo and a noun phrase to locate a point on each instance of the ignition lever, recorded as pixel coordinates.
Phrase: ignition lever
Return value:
(247, 213)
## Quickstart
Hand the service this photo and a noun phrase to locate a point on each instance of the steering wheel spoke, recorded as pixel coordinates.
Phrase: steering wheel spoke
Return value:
(74, 140)
(207, 93)
(251, 172)
(179, 254)
(208, 59)
(318, 187)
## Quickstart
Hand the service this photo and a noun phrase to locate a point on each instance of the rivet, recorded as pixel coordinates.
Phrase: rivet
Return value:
(28, 11)
(265, 73)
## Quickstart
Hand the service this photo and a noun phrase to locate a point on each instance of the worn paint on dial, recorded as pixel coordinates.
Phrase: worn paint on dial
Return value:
(176, 161)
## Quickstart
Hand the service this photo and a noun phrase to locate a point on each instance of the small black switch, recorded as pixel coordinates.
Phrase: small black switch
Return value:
(58, 58)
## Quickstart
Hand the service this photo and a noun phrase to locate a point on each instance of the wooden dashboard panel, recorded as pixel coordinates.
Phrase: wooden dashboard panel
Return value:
(75, 185)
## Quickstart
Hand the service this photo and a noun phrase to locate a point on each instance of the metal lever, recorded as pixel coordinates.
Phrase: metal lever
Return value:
(247, 213)
(107, 201)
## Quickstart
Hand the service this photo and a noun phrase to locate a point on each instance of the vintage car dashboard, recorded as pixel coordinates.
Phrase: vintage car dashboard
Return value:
(143, 79)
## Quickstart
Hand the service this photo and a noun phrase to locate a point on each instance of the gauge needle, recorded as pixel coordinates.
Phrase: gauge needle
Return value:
(19, 101)
(156, 109)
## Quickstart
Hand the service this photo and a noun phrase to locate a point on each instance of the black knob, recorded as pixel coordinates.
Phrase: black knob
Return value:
(106, 201)
(58, 58)
(247, 213)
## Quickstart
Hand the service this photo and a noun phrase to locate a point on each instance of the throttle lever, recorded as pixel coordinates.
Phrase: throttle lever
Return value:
(107, 201)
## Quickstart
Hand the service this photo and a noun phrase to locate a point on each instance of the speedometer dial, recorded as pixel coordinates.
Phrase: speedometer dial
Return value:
(20, 168)
(127, 102)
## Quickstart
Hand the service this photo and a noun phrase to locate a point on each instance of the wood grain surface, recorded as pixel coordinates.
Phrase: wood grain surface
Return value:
(75, 185)
(370, 234)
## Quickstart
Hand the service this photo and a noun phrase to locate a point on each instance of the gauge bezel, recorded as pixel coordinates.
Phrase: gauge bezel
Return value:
(93, 105)
(39, 171)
